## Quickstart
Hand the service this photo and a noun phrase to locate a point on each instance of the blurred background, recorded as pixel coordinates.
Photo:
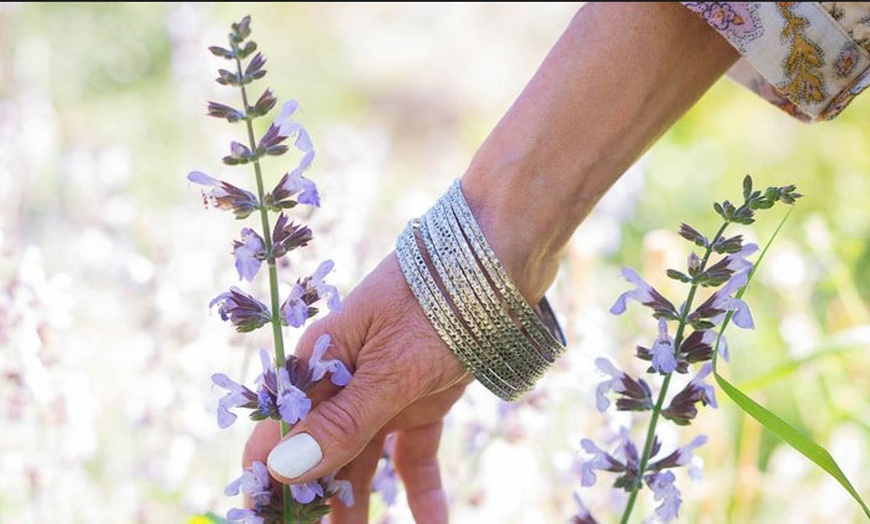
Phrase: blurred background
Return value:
(108, 259)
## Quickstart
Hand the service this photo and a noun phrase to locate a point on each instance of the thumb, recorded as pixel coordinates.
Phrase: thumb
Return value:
(336, 431)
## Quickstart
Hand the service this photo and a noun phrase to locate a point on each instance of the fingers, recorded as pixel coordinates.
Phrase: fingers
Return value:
(415, 456)
(359, 472)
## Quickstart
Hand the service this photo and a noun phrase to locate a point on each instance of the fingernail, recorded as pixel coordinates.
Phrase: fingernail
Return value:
(295, 456)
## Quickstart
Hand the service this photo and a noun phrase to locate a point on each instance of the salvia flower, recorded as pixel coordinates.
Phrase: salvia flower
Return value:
(238, 396)
(307, 492)
(255, 484)
(293, 188)
(646, 295)
(339, 375)
(249, 254)
(298, 307)
(663, 359)
(225, 196)
(386, 479)
(582, 516)
(245, 312)
(682, 407)
(664, 489)
(636, 395)
(681, 456)
(722, 301)
(287, 236)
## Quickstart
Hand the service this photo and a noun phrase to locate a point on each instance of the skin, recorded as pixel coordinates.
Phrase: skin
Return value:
(620, 75)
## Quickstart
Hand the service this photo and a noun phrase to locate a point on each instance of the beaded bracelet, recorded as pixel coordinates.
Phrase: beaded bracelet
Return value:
(473, 304)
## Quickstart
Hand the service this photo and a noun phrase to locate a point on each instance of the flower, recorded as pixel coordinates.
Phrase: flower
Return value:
(721, 302)
(637, 395)
(679, 457)
(241, 309)
(600, 460)
(294, 183)
(386, 479)
(226, 196)
(297, 308)
(682, 407)
(663, 359)
(249, 254)
(305, 493)
(287, 237)
(662, 485)
(645, 294)
(343, 489)
(255, 484)
(319, 367)
(238, 396)
(293, 404)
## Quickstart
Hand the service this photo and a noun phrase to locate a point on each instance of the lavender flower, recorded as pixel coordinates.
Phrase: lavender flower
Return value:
(245, 312)
(297, 308)
(255, 484)
(682, 408)
(663, 488)
(306, 493)
(249, 254)
(663, 359)
(238, 396)
(646, 295)
(636, 394)
(340, 376)
(226, 196)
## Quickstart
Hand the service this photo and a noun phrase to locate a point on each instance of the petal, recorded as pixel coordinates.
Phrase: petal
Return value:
(198, 177)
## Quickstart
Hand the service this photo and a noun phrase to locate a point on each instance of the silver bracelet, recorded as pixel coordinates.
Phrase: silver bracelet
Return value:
(472, 303)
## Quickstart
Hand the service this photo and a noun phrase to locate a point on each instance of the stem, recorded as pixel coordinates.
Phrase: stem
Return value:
(657, 409)
(277, 333)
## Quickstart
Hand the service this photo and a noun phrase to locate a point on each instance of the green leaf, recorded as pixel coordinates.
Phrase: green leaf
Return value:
(794, 438)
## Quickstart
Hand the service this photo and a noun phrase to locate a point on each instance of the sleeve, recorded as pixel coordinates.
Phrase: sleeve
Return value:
(810, 59)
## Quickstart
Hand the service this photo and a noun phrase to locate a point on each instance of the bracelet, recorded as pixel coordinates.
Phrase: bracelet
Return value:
(472, 303)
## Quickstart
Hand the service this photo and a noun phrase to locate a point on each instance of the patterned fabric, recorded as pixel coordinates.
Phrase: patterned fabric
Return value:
(808, 58)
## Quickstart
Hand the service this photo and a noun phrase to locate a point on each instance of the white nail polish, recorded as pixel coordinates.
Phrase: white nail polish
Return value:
(295, 456)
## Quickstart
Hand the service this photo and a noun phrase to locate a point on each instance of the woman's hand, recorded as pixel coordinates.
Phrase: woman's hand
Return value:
(405, 380)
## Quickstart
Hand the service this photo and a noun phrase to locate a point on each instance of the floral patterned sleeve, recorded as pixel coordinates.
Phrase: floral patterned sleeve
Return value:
(808, 58)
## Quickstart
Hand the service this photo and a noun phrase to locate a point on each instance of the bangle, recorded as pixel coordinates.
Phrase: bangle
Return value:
(472, 303)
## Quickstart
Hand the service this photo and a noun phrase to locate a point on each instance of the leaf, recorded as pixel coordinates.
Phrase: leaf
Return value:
(794, 438)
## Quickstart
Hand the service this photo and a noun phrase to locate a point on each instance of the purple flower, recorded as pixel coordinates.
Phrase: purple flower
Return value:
(226, 196)
(645, 294)
(738, 263)
(663, 359)
(721, 302)
(255, 484)
(340, 488)
(305, 493)
(319, 367)
(245, 516)
(249, 254)
(238, 396)
(293, 404)
(637, 395)
(600, 460)
(242, 310)
(386, 479)
(679, 457)
(287, 237)
(297, 308)
(662, 485)
(293, 184)
(682, 408)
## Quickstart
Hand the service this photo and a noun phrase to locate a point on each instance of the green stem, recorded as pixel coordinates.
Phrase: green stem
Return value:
(657, 409)
(277, 333)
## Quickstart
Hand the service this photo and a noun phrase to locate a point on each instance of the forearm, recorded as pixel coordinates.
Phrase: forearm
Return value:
(617, 79)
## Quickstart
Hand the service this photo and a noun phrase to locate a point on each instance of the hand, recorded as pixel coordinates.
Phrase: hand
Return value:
(405, 380)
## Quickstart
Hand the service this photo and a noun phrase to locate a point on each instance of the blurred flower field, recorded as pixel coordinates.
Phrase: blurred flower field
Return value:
(108, 259)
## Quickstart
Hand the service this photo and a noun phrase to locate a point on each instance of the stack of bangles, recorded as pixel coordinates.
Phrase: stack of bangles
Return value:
(472, 303)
